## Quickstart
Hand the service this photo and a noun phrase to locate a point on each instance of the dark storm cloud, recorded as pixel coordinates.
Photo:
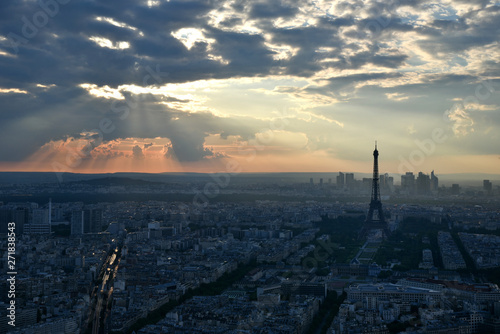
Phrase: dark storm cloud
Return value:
(247, 54)
(188, 148)
(428, 91)
(73, 58)
(137, 152)
(30, 121)
(70, 58)
(61, 53)
(272, 9)
(341, 85)
(354, 78)
(476, 28)
(186, 131)
(307, 40)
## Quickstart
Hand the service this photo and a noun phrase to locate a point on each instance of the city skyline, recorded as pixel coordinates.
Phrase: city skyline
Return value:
(222, 86)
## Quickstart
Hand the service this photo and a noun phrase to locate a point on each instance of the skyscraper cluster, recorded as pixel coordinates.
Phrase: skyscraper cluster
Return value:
(423, 184)
(28, 217)
(348, 182)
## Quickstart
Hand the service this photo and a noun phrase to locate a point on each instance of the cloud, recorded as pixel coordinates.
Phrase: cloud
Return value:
(12, 90)
(334, 65)
(271, 10)
(462, 121)
(137, 152)
(396, 96)
(187, 147)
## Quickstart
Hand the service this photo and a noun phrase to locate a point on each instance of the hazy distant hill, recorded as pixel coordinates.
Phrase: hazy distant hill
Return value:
(116, 181)
(243, 178)
(51, 177)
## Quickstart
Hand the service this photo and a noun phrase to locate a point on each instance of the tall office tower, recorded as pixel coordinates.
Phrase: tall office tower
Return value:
(311, 181)
(40, 222)
(423, 184)
(5, 219)
(18, 215)
(388, 183)
(381, 180)
(434, 182)
(21, 217)
(50, 211)
(408, 182)
(86, 221)
(321, 181)
(349, 180)
(77, 217)
(487, 186)
(340, 180)
(375, 219)
(366, 184)
(95, 220)
(40, 217)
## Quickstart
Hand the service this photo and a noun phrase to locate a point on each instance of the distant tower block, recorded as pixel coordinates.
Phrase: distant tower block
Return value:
(375, 220)
(340, 180)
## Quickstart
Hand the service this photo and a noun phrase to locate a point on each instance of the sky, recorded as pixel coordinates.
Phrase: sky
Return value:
(249, 86)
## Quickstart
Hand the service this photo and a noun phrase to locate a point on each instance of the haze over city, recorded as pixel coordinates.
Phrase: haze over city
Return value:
(289, 86)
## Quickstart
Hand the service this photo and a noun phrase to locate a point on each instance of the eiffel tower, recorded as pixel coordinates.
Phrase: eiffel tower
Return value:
(375, 219)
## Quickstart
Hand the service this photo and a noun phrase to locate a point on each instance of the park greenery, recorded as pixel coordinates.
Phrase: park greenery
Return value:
(407, 243)
(343, 233)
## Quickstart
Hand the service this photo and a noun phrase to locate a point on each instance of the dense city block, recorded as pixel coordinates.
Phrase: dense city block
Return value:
(261, 257)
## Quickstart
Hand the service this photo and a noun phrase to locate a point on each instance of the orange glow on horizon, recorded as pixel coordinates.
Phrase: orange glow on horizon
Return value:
(262, 162)
(151, 155)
